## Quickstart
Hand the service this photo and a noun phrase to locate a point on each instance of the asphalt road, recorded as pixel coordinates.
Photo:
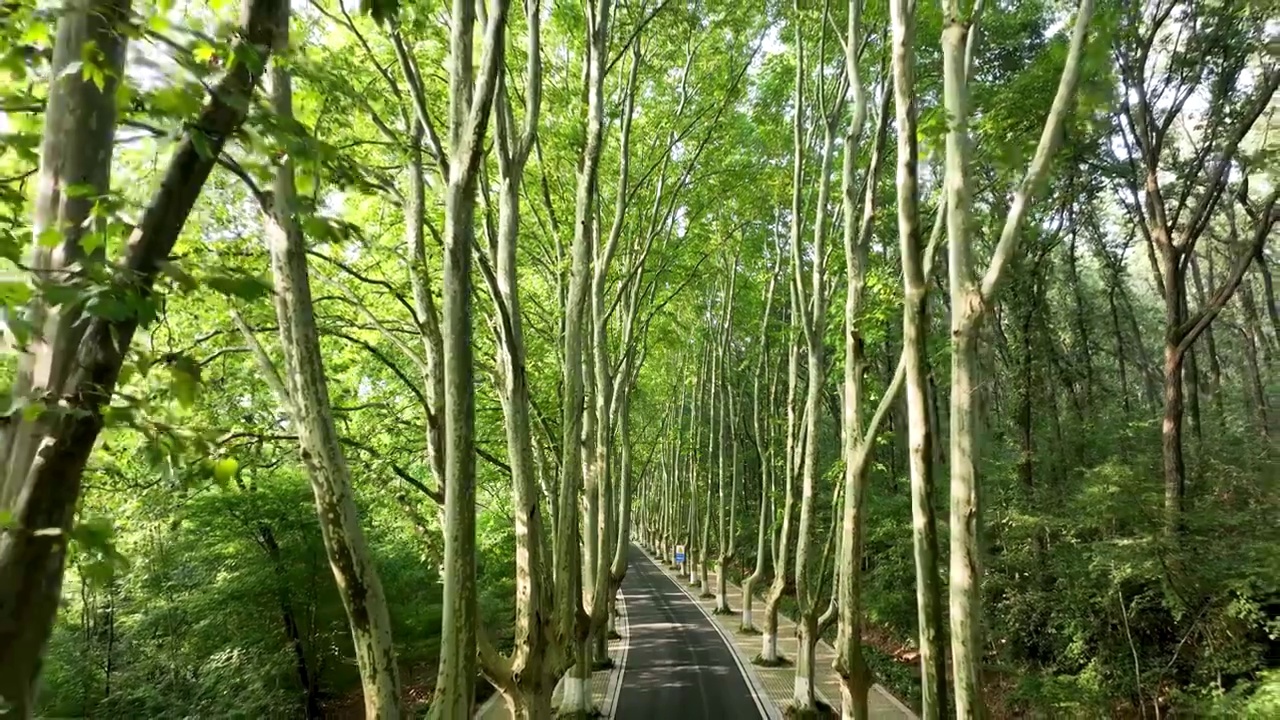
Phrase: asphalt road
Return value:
(678, 667)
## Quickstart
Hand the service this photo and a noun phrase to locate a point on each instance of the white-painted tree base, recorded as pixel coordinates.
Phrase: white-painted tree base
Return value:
(802, 695)
(577, 695)
(746, 617)
(769, 646)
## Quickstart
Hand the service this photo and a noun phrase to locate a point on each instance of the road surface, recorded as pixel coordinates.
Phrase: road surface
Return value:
(677, 665)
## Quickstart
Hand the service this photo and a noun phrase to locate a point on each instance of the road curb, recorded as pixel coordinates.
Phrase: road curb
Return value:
(614, 688)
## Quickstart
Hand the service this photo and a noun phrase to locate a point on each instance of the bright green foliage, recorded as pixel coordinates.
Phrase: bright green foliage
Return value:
(197, 583)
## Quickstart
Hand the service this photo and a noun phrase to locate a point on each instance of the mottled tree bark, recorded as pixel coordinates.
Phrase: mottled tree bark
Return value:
(470, 101)
(914, 330)
(811, 309)
(573, 618)
(76, 151)
(526, 677)
(969, 302)
(1211, 345)
(858, 443)
(781, 555)
(303, 390)
(764, 453)
(720, 441)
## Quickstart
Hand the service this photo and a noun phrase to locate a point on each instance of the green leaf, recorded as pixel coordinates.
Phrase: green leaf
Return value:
(203, 146)
(49, 237)
(56, 293)
(32, 411)
(179, 276)
(250, 56)
(244, 286)
(37, 33)
(91, 241)
(224, 470)
(185, 383)
(111, 307)
(118, 415)
(174, 100)
(204, 52)
(14, 290)
(95, 533)
(98, 573)
(81, 190)
(95, 75)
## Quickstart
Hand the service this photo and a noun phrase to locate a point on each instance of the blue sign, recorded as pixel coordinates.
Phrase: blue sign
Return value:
(679, 553)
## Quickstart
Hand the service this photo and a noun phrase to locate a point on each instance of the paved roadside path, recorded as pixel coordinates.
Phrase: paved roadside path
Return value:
(678, 664)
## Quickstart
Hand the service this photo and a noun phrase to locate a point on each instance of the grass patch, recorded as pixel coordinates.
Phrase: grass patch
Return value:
(748, 631)
(706, 595)
(724, 611)
(588, 715)
(759, 661)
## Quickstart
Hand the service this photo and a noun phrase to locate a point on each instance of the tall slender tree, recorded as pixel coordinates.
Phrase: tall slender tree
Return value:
(969, 299)
(303, 392)
(1172, 199)
(573, 619)
(914, 329)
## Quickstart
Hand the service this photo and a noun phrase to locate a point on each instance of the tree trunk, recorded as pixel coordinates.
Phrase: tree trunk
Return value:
(75, 152)
(469, 106)
(969, 300)
(595, 471)
(306, 678)
(1081, 313)
(1026, 466)
(1120, 345)
(75, 171)
(813, 314)
(1215, 367)
(1171, 438)
(764, 452)
(769, 641)
(1254, 339)
(914, 331)
(858, 444)
(1268, 294)
(43, 495)
(527, 678)
(307, 397)
(573, 620)
(720, 441)
(704, 544)
(802, 696)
